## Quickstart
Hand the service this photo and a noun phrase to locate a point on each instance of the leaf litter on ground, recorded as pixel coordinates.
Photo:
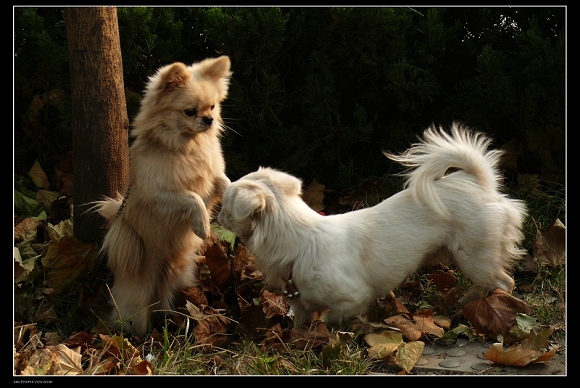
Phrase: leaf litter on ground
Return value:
(231, 300)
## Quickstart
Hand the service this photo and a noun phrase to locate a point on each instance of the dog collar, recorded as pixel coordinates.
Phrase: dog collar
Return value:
(290, 291)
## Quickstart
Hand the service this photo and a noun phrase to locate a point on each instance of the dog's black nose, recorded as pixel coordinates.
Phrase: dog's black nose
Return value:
(207, 120)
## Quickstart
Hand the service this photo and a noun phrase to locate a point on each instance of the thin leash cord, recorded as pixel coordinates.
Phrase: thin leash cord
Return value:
(123, 203)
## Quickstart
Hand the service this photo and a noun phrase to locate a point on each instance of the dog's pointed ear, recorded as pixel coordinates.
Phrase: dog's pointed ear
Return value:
(290, 185)
(217, 70)
(173, 76)
(287, 184)
(252, 198)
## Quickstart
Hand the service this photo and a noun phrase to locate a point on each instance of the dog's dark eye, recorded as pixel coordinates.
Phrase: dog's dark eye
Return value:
(213, 106)
(190, 112)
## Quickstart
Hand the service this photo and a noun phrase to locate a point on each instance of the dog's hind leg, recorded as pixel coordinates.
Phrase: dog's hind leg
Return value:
(182, 274)
(486, 269)
(132, 298)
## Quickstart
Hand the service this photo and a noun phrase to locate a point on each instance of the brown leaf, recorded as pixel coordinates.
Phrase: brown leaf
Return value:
(38, 177)
(142, 368)
(397, 307)
(409, 329)
(408, 355)
(68, 260)
(453, 296)
(550, 246)
(81, 339)
(383, 344)
(244, 264)
(211, 331)
(515, 355)
(195, 295)
(66, 361)
(443, 280)
(273, 305)
(442, 321)
(121, 347)
(495, 314)
(426, 324)
(26, 230)
(510, 156)
(285, 340)
(275, 339)
(41, 362)
(367, 193)
(313, 338)
(533, 349)
(46, 197)
(413, 289)
(218, 263)
(313, 195)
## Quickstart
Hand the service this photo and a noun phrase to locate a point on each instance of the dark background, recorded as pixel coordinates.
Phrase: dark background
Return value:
(320, 92)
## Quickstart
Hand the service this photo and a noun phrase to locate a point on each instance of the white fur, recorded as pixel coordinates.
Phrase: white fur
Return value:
(345, 262)
(177, 175)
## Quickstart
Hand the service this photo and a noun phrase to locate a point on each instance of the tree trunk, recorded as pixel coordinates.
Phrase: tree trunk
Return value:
(100, 124)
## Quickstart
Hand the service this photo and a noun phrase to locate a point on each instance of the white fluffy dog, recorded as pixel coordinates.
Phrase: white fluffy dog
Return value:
(343, 263)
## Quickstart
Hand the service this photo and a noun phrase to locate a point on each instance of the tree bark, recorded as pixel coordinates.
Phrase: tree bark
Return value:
(100, 123)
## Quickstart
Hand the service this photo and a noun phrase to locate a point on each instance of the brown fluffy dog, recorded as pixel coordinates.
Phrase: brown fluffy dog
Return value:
(177, 175)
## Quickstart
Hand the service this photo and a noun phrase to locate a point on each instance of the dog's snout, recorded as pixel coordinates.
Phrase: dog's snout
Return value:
(207, 120)
(221, 218)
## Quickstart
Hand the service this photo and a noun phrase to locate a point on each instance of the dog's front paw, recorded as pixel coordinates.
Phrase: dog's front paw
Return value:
(221, 185)
(202, 228)
(199, 218)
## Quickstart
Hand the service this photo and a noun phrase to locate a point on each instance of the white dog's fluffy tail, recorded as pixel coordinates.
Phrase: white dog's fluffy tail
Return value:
(438, 151)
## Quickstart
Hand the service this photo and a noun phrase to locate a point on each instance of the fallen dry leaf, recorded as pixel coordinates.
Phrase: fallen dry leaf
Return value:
(40, 363)
(141, 368)
(194, 311)
(68, 260)
(426, 324)
(442, 321)
(410, 330)
(122, 347)
(244, 264)
(315, 337)
(82, 339)
(515, 355)
(495, 314)
(408, 355)
(443, 280)
(273, 305)
(38, 176)
(27, 229)
(550, 246)
(195, 295)
(396, 306)
(313, 195)
(218, 263)
(533, 349)
(211, 331)
(383, 344)
(68, 361)
(510, 156)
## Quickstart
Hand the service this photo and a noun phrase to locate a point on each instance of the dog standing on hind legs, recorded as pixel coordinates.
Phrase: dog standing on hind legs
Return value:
(176, 177)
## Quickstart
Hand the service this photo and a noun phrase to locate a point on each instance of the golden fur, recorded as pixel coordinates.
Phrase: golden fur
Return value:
(177, 175)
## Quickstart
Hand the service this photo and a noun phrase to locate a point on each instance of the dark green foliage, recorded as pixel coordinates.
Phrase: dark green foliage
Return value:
(319, 91)
(41, 87)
